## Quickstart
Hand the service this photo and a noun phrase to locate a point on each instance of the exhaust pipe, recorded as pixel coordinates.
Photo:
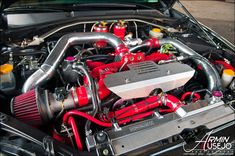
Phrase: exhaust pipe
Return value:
(48, 68)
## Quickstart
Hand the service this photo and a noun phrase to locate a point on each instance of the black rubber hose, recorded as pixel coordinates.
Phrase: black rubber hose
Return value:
(106, 103)
(110, 101)
(138, 47)
(98, 57)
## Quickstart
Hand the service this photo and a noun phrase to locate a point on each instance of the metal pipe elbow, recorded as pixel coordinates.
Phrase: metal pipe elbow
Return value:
(212, 75)
(48, 68)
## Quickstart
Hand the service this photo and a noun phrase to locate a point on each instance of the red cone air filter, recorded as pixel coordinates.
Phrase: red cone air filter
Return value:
(25, 108)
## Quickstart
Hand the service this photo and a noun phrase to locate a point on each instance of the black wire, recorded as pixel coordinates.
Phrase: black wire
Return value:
(110, 101)
(98, 57)
(59, 115)
(24, 52)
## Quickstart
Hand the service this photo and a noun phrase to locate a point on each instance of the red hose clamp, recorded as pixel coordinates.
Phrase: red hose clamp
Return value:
(153, 42)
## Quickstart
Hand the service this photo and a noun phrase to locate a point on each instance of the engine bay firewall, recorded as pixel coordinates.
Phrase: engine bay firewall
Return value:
(143, 77)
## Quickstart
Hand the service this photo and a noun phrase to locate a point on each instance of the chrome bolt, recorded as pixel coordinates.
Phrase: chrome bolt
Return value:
(192, 122)
(105, 152)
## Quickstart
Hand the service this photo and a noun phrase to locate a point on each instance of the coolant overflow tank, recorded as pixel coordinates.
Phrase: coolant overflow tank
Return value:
(143, 77)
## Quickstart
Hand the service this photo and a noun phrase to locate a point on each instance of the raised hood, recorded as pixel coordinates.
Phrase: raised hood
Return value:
(164, 4)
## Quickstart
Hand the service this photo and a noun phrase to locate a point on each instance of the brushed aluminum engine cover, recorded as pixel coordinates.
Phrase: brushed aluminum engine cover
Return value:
(143, 77)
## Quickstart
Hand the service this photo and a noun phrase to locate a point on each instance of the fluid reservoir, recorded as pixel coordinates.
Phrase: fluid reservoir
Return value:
(120, 29)
(227, 77)
(101, 27)
(156, 33)
(7, 78)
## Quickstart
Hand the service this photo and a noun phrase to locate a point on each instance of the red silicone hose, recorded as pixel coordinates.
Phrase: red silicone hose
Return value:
(87, 116)
(196, 96)
(72, 123)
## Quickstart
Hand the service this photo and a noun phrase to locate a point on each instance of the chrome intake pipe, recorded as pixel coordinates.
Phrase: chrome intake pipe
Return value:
(48, 68)
(213, 78)
(212, 75)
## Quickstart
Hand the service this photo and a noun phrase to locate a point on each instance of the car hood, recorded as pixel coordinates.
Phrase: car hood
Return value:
(166, 3)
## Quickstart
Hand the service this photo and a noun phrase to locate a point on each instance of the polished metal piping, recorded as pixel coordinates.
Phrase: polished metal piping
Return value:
(48, 68)
(212, 75)
(40, 39)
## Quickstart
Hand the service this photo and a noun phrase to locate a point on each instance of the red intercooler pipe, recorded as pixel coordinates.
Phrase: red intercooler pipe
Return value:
(148, 104)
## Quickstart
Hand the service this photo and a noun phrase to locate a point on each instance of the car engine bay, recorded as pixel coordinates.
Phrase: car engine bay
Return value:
(117, 86)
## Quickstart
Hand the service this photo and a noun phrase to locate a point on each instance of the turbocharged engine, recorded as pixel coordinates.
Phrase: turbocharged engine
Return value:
(117, 82)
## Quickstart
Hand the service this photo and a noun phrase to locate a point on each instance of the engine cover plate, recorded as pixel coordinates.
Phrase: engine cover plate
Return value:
(143, 77)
